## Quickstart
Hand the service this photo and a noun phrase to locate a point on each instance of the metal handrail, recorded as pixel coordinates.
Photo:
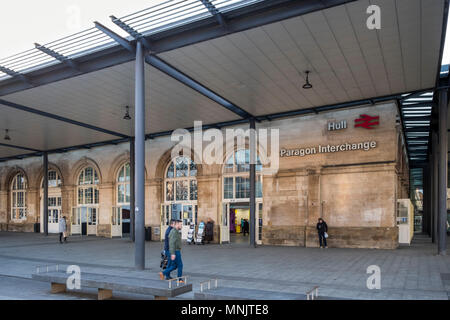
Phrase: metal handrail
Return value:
(209, 284)
(47, 268)
(312, 292)
(183, 278)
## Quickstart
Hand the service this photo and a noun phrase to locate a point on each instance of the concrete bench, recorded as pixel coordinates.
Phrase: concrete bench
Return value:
(209, 290)
(106, 284)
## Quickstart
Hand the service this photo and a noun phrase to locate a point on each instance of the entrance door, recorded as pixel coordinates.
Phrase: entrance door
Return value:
(225, 223)
(258, 222)
(188, 219)
(116, 222)
(54, 213)
(76, 221)
(165, 220)
(91, 221)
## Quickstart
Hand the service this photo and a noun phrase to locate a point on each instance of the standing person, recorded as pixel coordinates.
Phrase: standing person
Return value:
(246, 227)
(62, 229)
(166, 242)
(322, 228)
(209, 230)
(175, 253)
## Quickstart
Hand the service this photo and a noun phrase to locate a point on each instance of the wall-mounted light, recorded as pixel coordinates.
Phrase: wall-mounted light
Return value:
(127, 114)
(307, 85)
(7, 137)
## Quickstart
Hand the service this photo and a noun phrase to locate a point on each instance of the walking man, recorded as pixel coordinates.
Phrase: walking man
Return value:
(166, 242)
(246, 227)
(62, 229)
(175, 253)
(322, 229)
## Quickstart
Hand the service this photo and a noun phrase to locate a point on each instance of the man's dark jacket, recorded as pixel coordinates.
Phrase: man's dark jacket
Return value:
(322, 227)
(166, 238)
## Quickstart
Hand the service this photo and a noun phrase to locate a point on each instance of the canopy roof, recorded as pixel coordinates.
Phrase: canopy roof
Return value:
(222, 62)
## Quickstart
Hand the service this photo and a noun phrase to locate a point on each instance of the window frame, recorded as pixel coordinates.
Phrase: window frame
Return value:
(15, 191)
(88, 188)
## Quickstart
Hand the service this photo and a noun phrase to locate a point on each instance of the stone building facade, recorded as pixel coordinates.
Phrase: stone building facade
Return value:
(350, 175)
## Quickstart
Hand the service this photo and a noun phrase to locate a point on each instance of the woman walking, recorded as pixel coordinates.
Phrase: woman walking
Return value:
(209, 230)
(322, 229)
(62, 229)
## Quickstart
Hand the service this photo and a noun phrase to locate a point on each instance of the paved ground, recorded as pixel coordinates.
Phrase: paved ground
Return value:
(413, 272)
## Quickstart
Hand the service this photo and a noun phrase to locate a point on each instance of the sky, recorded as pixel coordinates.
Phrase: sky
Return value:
(48, 20)
(43, 21)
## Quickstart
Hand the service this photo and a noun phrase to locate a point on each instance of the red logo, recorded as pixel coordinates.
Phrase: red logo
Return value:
(367, 121)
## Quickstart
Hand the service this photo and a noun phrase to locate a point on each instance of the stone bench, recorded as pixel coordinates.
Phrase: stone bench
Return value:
(209, 290)
(106, 284)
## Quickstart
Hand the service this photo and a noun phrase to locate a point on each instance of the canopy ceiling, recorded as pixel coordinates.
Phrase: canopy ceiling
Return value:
(261, 70)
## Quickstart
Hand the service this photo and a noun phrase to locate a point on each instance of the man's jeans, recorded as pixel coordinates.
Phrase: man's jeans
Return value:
(169, 261)
(322, 239)
(174, 264)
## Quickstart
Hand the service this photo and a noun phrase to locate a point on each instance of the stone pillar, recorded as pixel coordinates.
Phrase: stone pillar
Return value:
(3, 210)
(209, 195)
(154, 190)
(68, 201)
(314, 208)
(106, 200)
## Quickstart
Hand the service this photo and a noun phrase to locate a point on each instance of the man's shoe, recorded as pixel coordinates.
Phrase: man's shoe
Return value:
(326, 247)
(161, 276)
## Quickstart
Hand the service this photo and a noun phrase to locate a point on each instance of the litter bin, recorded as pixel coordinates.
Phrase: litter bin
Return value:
(148, 233)
(37, 227)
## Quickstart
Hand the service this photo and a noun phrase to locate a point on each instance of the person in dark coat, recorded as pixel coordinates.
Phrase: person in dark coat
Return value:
(166, 242)
(209, 231)
(322, 228)
(246, 227)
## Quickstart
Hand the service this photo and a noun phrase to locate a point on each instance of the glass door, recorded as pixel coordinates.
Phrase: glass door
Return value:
(225, 223)
(116, 222)
(165, 220)
(91, 221)
(259, 222)
(76, 221)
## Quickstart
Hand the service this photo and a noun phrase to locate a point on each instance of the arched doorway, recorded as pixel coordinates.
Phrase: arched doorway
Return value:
(236, 198)
(120, 221)
(54, 202)
(180, 195)
(85, 214)
(18, 193)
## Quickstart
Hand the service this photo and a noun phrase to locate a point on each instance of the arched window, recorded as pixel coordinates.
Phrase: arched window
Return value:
(123, 185)
(54, 180)
(236, 176)
(181, 181)
(54, 201)
(180, 193)
(19, 197)
(87, 187)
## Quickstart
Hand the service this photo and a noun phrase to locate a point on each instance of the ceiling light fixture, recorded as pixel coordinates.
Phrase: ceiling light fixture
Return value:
(7, 137)
(127, 114)
(307, 85)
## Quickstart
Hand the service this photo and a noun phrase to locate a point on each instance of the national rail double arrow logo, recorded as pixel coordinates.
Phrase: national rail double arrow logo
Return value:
(367, 122)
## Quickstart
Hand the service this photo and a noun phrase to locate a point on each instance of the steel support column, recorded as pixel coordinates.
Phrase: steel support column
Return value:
(45, 208)
(132, 189)
(252, 182)
(443, 156)
(139, 107)
(426, 201)
(435, 184)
